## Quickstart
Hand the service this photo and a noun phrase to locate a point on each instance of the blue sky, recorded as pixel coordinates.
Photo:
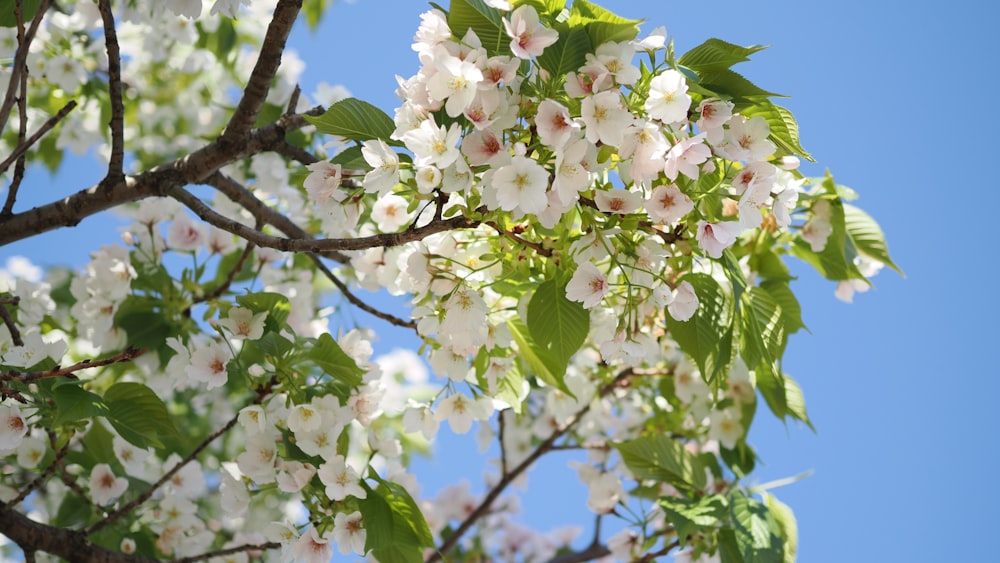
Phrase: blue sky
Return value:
(895, 98)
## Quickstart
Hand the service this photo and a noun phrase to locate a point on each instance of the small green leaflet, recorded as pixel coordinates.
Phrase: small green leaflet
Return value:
(661, 458)
(484, 20)
(557, 325)
(716, 54)
(138, 414)
(704, 335)
(355, 120)
(396, 529)
(602, 25)
(332, 359)
(540, 361)
(784, 128)
(867, 236)
(756, 529)
(693, 516)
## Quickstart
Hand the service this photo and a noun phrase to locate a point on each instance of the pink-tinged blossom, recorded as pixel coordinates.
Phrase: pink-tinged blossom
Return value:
(433, 145)
(713, 238)
(590, 80)
(341, 479)
(13, 427)
(713, 113)
(104, 486)
(311, 548)
(847, 288)
(390, 213)
(385, 167)
(619, 202)
(644, 143)
(528, 38)
(588, 285)
(349, 533)
(484, 147)
(244, 323)
(499, 70)
(685, 302)
(208, 365)
(686, 157)
(616, 60)
(432, 31)
(572, 176)
(746, 139)
(668, 204)
(455, 81)
(624, 545)
(668, 99)
(554, 123)
(294, 475)
(186, 234)
(521, 185)
(605, 117)
(323, 183)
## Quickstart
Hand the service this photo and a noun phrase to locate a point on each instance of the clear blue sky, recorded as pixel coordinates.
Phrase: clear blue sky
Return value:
(895, 98)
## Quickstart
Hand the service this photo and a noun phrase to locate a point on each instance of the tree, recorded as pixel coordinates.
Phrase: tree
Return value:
(591, 231)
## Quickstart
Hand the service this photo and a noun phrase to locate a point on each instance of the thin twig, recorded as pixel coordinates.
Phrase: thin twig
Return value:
(8, 321)
(230, 276)
(19, 66)
(298, 154)
(651, 556)
(537, 247)
(503, 446)
(293, 101)
(43, 476)
(117, 122)
(228, 551)
(128, 354)
(506, 480)
(355, 300)
(45, 128)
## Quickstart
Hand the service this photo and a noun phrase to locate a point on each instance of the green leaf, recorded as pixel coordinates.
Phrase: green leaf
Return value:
(787, 524)
(701, 335)
(716, 54)
(692, 516)
(275, 305)
(541, 362)
(602, 25)
(355, 120)
(144, 327)
(557, 324)
(73, 403)
(313, 11)
(795, 402)
(567, 54)
(28, 10)
(867, 236)
(761, 327)
(753, 528)
(784, 128)
(741, 459)
(395, 527)
(73, 512)
(836, 260)
(728, 83)
(351, 158)
(332, 359)
(97, 444)
(663, 459)
(484, 20)
(791, 311)
(771, 384)
(138, 414)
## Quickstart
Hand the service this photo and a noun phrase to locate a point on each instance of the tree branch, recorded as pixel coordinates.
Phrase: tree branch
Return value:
(23, 147)
(355, 300)
(228, 551)
(268, 61)
(506, 480)
(117, 123)
(19, 66)
(128, 354)
(15, 334)
(191, 169)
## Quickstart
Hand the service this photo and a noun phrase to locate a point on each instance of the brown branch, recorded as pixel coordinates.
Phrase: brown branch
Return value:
(293, 100)
(503, 446)
(24, 39)
(230, 276)
(537, 247)
(290, 151)
(268, 61)
(127, 355)
(24, 146)
(118, 514)
(117, 122)
(593, 551)
(191, 169)
(22, 130)
(506, 480)
(355, 300)
(229, 551)
(15, 334)
(210, 216)
(651, 556)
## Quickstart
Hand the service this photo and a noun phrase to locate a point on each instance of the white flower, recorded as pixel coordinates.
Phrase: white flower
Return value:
(433, 145)
(12, 427)
(310, 548)
(686, 156)
(620, 202)
(253, 419)
(304, 418)
(30, 452)
(668, 204)
(684, 303)
(554, 124)
(294, 475)
(588, 285)
(186, 234)
(725, 427)
(323, 183)
(104, 486)
(385, 167)
(233, 495)
(419, 418)
(243, 323)
(623, 544)
(521, 185)
(668, 99)
(605, 492)
(455, 80)
(257, 462)
(528, 38)
(349, 533)
(341, 479)
(132, 458)
(818, 229)
(460, 411)
(208, 365)
(432, 31)
(390, 213)
(605, 117)
(228, 8)
(746, 139)
(713, 238)
(464, 324)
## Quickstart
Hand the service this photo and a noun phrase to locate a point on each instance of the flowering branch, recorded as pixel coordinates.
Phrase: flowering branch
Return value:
(507, 479)
(128, 354)
(230, 276)
(228, 551)
(117, 122)
(392, 319)
(15, 334)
